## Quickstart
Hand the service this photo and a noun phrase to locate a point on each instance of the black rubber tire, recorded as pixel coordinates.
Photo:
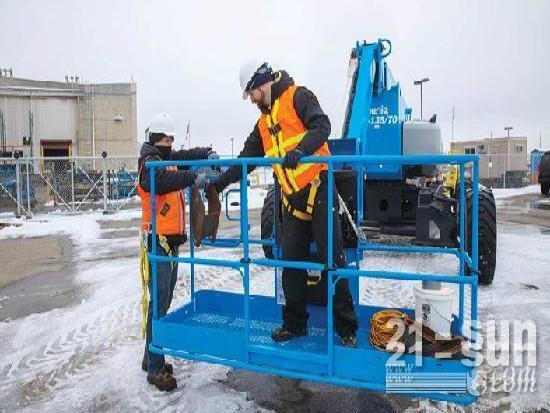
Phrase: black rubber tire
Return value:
(544, 189)
(487, 233)
(266, 228)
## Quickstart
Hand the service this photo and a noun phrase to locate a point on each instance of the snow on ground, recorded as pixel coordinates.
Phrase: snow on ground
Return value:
(87, 357)
(81, 228)
(501, 193)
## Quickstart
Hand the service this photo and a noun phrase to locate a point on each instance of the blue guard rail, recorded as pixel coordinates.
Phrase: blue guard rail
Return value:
(234, 329)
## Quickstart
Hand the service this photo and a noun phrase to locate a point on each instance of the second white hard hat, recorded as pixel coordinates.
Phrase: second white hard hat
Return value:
(161, 123)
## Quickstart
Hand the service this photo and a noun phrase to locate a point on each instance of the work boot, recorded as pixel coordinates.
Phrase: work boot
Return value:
(284, 334)
(163, 381)
(167, 366)
(349, 341)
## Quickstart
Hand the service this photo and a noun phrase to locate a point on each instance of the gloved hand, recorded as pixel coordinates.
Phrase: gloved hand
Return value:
(291, 159)
(216, 184)
(200, 180)
(213, 155)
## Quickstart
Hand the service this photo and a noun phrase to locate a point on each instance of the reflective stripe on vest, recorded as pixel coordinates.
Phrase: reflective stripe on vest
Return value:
(281, 131)
(169, 210)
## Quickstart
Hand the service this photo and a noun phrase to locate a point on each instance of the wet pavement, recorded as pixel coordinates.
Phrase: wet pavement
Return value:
(298, 396)
(533, 209)
(38, 277)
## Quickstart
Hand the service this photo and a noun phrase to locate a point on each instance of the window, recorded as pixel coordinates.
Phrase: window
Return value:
(519, 148)
(470, 150)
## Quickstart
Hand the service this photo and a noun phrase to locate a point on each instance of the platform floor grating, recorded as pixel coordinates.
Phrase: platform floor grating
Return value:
(260, 331)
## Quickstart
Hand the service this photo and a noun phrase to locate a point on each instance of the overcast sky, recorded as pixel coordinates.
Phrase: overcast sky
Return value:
(488, 59)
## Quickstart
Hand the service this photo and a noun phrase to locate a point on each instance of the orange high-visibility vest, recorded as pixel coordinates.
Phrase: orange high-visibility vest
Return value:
(281, 131)
(169, 210)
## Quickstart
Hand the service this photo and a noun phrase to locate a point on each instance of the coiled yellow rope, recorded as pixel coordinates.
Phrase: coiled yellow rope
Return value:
(382, 331)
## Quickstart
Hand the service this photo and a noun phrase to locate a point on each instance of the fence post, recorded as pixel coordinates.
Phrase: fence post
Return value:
(17, 186)
(29, 212)
(72, 185)
(104, 156)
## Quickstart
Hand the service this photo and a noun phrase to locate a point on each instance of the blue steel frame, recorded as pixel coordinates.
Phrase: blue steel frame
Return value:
(334, 273)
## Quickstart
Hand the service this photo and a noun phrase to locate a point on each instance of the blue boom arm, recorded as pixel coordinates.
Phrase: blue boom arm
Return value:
(376, 110)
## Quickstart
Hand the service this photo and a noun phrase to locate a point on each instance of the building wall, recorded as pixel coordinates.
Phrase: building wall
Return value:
(107, 115)
(497, 156)
(101, 113)
(53, 119)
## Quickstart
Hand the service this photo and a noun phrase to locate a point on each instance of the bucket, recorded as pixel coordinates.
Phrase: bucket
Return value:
(434, 308)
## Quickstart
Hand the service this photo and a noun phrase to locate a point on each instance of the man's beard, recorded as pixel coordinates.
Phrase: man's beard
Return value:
(261, 105)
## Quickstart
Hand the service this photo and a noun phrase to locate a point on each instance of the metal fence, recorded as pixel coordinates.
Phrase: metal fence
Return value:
(504, 170)
(74, 184)
(45, 184)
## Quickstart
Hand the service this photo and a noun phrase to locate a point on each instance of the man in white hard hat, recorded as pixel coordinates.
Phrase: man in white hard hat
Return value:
(170, 227)
(293, 125)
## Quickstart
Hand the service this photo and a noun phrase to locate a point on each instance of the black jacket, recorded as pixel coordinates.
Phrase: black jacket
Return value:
(165, 180)
(308, 110)
(168, 181)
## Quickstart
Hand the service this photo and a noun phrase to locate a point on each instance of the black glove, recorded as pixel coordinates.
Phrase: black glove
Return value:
(213, 155)
(291, 159)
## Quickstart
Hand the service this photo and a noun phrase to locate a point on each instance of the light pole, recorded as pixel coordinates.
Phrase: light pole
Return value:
(507, 129)
(420, 82)
(232, 147)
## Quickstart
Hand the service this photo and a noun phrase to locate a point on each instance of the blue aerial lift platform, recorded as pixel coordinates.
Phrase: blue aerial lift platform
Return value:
(235, 329)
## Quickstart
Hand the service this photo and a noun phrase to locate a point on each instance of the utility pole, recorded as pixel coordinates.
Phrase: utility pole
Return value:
(540, 141)
(507, 129)
(232, 147)
(420, 82)
(452, 125)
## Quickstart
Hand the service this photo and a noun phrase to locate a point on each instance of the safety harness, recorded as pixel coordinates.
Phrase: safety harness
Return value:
(144, 271)
(285, 175)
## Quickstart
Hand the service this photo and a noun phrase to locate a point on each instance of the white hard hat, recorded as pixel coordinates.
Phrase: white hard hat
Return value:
(249, 70)
(161, 123)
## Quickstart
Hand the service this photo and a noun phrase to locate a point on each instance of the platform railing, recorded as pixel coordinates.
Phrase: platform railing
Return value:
(334, 273)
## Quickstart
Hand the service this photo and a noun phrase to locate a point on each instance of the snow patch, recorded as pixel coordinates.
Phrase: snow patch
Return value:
(502, 193)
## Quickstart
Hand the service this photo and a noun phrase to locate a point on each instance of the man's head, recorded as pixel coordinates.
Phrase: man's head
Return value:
(160, 139)
(256, 79)
(160, 133)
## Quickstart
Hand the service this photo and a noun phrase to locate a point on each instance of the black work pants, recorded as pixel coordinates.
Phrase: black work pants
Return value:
(296, 238)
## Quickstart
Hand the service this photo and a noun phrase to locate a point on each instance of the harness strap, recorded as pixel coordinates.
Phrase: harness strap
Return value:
(304, 216)
(144, 272)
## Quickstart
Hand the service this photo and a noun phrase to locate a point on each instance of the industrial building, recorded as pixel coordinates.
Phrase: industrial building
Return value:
(503, 162)
(70, 118)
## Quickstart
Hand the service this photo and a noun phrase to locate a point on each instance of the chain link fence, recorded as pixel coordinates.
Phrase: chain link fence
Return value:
(70, 184)
(46, 184)
(504, 170)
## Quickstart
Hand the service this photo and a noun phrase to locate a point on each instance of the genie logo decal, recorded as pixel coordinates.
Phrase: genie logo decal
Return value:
(381, 115)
